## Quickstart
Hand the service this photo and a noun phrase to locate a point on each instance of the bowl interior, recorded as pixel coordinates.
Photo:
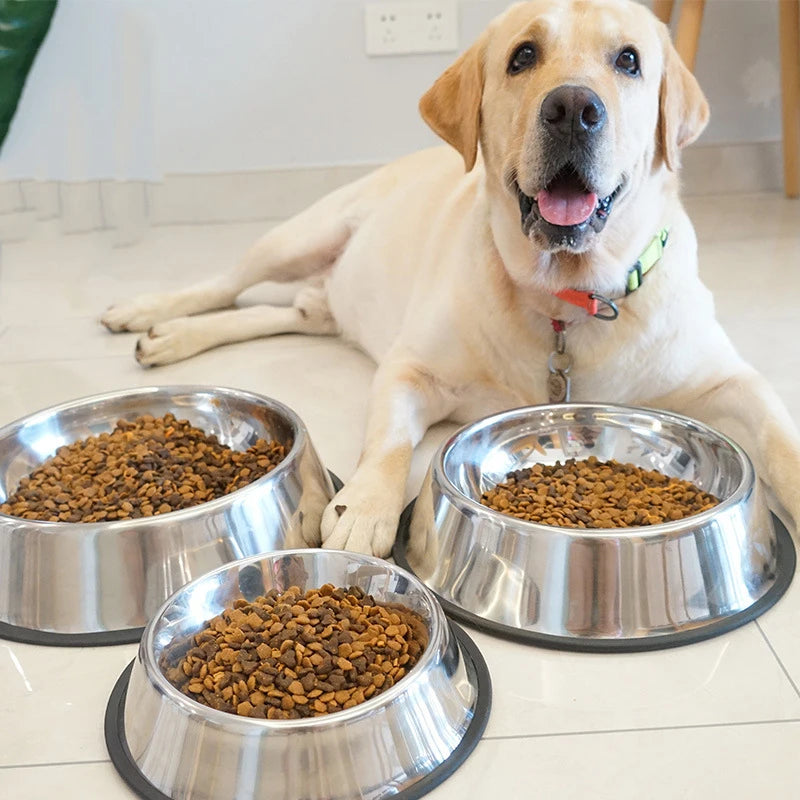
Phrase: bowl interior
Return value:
(238, 419)
(171, 634)
(481, 456)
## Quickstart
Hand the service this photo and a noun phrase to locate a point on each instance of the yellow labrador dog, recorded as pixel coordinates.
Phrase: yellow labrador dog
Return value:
(477, 276)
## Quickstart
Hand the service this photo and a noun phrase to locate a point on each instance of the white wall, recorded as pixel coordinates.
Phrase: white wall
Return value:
(134, 89)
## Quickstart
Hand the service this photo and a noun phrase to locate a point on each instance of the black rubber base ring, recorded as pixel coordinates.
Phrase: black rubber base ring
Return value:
(15, 633)
(117, 743)
(786, 562)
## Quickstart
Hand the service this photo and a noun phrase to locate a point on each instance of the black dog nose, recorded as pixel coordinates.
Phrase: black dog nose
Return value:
(573, 110)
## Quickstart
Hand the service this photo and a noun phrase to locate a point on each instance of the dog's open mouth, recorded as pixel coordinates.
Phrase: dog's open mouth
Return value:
(565, 204)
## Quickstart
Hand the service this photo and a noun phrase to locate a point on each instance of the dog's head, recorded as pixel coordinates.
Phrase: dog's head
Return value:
(575, 104)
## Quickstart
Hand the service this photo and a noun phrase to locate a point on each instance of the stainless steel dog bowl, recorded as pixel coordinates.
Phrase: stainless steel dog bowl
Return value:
(99, 583)
(616, 589)
(397, 744)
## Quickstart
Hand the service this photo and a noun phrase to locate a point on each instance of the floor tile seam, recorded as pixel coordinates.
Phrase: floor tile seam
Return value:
(67, 359)
(778, 658)
(718, 241)
(561, 734)
(56, 764)
(126, 356)
(62, 233)
(89, 317)
(316, 341)
(651, 729)
(56, 323)
(216, 223)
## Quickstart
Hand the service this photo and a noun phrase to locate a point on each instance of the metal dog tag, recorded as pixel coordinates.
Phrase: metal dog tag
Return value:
(558, 387)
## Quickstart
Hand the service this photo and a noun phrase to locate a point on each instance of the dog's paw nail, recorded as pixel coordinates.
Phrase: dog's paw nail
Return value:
(340, 509)
(150, 333)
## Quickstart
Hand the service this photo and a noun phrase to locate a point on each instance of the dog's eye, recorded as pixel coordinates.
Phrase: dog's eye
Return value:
(523, 57)
(628, 61)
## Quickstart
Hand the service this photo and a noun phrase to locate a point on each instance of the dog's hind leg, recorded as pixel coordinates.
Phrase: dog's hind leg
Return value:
(180, 338)
(299, 248)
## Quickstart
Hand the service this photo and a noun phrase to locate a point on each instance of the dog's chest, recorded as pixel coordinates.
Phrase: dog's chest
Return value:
(590, 365)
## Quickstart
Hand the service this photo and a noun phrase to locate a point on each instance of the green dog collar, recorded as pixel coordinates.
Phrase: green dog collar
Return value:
(647, 260)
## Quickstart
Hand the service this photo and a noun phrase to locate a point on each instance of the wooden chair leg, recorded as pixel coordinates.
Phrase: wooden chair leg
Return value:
(790, 89)
(663, 9)
(687, 36)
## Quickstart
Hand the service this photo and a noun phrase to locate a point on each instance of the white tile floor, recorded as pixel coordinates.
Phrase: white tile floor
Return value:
(719, 719)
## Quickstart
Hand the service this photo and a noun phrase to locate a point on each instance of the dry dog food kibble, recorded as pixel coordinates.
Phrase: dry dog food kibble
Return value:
(294, 655)
(149, 466)
(596, 494)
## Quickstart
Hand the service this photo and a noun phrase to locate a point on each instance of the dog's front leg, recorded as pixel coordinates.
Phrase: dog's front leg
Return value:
(405, 401)
(746, 408)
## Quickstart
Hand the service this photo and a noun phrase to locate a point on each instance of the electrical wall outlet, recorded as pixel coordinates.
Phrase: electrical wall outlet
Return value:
(411, 26)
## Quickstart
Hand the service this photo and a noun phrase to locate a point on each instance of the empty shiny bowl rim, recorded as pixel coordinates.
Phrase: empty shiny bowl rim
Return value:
(463, 501)
(51, 526)
(438, 627)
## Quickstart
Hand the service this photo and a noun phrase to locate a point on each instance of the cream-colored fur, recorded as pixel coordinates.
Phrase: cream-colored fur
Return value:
(425, 266)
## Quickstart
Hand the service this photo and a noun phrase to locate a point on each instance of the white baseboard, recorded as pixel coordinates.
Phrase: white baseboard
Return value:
(243, 196)
(732, 168)
(128, 208)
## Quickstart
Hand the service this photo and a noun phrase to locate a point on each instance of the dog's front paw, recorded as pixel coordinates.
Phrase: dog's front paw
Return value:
(167, 342)
(139, 314)
(362, 518)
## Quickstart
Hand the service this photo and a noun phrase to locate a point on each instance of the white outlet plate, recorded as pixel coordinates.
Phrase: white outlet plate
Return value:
(411, 26)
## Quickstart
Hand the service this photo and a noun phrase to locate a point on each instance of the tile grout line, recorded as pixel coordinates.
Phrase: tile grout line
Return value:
(103, 223)
(490, 738)
(215, 222)
(642, 730)
(55, 764)
(67, 360)
(315, 339)
(778, 659)
(126, 357)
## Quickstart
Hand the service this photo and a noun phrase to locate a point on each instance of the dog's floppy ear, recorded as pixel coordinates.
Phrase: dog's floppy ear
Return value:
(683, 112)
(452, 106)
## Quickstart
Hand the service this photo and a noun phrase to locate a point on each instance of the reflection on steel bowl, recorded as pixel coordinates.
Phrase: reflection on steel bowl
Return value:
(625, 588)
(408, 737)
(105, 579)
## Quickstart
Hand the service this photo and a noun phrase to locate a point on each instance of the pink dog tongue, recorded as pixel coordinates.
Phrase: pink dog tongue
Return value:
(566, 204)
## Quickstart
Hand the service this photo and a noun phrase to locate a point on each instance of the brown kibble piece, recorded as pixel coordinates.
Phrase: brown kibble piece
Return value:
(342, 696)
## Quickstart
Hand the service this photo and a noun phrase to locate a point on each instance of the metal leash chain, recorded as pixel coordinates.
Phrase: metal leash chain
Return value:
(559, 364)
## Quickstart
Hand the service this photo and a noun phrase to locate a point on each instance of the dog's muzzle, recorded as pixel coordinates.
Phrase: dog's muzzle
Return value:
(565, 210)
(567, 206)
